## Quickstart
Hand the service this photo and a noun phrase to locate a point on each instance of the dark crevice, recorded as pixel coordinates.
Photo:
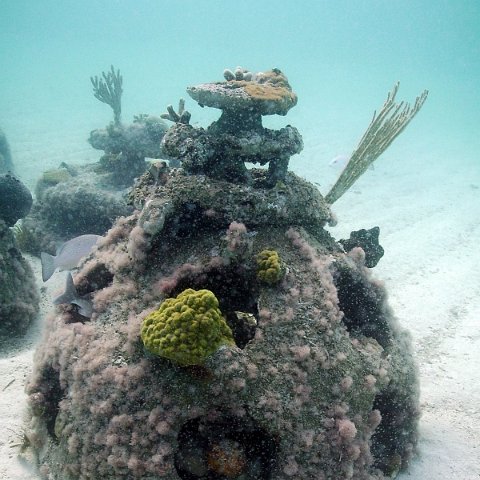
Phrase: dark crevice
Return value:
(237, 296)
(363, 306)
(392, 439)
(189, 220)
(227, 447)
(53, 394)
(97, 278)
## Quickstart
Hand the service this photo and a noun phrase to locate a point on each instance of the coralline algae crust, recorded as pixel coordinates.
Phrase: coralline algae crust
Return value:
(318, 382)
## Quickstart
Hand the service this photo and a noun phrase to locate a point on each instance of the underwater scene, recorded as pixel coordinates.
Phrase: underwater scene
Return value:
(238, 240)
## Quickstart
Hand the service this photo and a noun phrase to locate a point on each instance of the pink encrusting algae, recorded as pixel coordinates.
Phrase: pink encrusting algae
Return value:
(318, 381)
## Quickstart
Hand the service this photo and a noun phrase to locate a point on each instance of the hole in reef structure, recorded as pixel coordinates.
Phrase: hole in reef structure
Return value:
(392, 440)
(189, 220)
(362, 303)
(51, 394)
(236, 291)
(224, 447)
(98, 278)
(243, 326)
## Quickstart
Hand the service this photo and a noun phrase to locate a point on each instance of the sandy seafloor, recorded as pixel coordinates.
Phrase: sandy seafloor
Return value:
(427, 207)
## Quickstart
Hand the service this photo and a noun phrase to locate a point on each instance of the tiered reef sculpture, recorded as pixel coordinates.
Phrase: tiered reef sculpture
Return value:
(238, 136)
(232, 337)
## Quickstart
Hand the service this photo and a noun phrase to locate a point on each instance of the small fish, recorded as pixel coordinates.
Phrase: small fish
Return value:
(68, 255)
(85, 307)
(159, 171)
(339, 161)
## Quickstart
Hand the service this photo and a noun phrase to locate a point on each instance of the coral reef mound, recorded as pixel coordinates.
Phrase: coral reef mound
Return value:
(15, 199)
(19, 298)
(318, 382)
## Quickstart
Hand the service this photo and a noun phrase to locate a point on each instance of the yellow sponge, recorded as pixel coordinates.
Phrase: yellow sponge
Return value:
(269, 267)
(186, 329)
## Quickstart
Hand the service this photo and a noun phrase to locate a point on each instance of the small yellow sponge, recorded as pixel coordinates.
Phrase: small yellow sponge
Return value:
(269, 267)
(186, 329)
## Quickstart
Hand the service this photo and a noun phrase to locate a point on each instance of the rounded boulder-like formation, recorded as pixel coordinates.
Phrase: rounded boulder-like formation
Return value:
(15, 199)
(70, 201)
(6, 164)
(141, 138)
(322, 386)
(19, 298)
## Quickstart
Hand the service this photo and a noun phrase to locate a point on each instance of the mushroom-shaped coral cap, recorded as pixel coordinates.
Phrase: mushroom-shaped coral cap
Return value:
(267, 93)
(186, 329)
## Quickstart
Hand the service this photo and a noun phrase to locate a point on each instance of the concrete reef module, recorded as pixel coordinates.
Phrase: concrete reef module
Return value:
(320, 383)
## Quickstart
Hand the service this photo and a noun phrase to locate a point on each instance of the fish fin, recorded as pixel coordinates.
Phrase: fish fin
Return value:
(70, 293)
(85, 307)
(48, 265)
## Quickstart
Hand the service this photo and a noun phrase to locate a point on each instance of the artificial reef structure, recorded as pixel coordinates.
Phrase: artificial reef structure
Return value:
(69, 201)
(73, 200)
(238, 137)
(232, 336)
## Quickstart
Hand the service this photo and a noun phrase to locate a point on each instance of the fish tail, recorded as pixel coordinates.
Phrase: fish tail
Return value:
(48, 265)
(85, 307)
(69, 294)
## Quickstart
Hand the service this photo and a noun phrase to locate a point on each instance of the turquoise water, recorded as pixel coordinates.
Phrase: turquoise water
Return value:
(341, 58)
